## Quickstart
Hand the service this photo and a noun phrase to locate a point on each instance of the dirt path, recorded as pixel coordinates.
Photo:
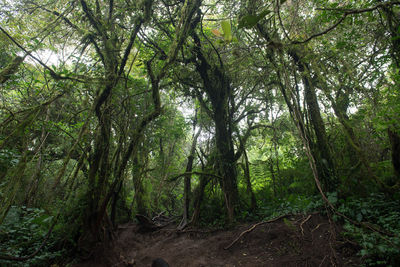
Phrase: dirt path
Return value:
(291, 241)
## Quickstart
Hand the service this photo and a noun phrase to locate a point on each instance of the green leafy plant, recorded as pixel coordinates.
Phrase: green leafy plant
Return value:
(22, 233)
(376, 249)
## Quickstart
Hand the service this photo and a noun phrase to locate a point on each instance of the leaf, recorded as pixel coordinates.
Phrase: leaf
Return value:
(216, 32)
(263, 14)
(332, 197)
(363, 211)
(340, 44)
(226, 29)
(250, 21)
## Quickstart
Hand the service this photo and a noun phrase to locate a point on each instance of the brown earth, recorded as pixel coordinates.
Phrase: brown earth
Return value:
(297, 240)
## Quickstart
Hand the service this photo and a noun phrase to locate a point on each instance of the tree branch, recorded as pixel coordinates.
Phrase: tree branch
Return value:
(174, 178)
(29, 53)
(345, 14)
(93, 20)
(323, 32)
(58, 14)
(129, 47)
(246, 136)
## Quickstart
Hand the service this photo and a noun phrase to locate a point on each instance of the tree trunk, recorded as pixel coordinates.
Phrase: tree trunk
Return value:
(324, 160)
(355, 147)
(36, 176)
(392, 17)
(187, 180)
(114, 202)
(138, 200)
(246, 169)
(394, 139)
(217, 87)
(198, 199)
(98, 174)
(272, 171)
(226, 163)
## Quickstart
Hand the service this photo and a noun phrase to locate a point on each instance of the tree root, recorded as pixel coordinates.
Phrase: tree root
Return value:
(303, 222)
(253, 227)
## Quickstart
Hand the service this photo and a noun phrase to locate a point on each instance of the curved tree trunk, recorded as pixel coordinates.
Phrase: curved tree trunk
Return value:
(218, 89)
(324, 159)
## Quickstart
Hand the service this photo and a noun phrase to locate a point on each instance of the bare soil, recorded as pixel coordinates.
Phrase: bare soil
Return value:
(298, 240)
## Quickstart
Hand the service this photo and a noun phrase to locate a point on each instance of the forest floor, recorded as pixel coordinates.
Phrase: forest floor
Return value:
(297, 240)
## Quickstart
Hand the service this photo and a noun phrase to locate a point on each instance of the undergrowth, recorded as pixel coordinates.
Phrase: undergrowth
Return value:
(22, 233)
(382, 213)
(378, 210)
(23, 229)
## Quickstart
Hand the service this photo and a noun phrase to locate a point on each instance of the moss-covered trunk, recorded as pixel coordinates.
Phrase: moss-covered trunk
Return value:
(323, 156)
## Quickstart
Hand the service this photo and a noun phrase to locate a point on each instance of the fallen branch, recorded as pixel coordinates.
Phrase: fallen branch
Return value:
(322, 261)
(199, 231)
(146, 223)
(253, 227)
(303, 222)
(316, 228)
(158, 216)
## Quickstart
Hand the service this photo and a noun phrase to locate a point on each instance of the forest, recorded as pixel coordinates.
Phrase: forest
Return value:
(186, 116)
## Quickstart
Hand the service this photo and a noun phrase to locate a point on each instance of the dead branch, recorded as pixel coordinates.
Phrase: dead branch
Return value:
(158, 216)
(146, 223)
(322, 261)
(199, 231)
(253, 227)
(303, 222)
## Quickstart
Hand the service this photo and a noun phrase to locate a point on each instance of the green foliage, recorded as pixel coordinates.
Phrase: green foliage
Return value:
(226, 29)
(350, 65)
(211, 214)
(250, 21)
(8, 158)
(382, 212)
(21, 234)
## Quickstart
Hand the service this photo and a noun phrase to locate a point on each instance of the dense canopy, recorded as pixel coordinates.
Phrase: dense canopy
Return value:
(213, 112)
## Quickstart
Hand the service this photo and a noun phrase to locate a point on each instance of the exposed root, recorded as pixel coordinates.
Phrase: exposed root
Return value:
(322, 261)
(303, 222)
(253, 227)
(316, 227)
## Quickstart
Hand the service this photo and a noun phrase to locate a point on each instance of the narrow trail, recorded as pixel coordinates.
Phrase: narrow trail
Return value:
(291, 241)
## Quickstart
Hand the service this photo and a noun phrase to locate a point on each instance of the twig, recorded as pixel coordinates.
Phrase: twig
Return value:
(199, 231)
(315, 228)
(362, 10)
(301, 225)
(53, 74)
(332, 236)
(323, 32)
(346, 12)
(158, 216)
(322, 261)
(253, 227)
